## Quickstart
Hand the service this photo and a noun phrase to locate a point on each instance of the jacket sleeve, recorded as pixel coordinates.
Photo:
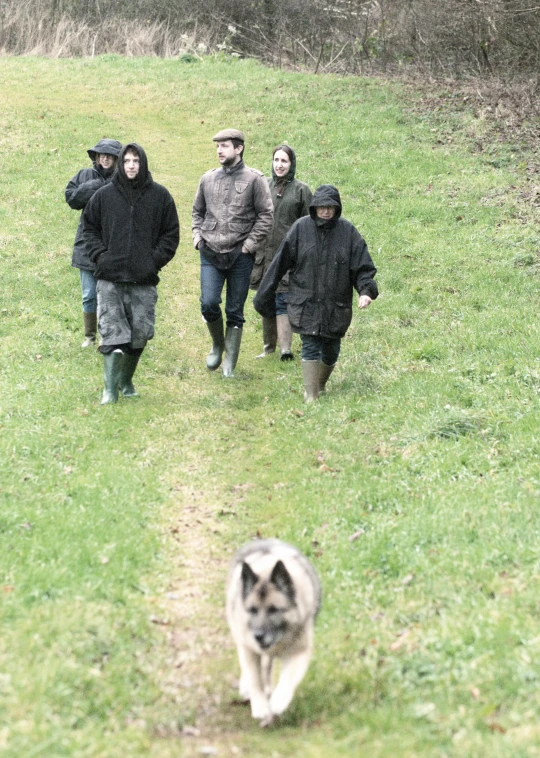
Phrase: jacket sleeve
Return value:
(264, 209)
(169, 235)
(307, 196)
(92, 229)
(78, 192)
(362, 267)
(198, 213)
(264, 301)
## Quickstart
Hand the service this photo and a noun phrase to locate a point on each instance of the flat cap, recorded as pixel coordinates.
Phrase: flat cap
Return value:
(226, 134)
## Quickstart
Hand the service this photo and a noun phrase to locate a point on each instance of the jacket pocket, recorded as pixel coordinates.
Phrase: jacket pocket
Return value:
(295, 307)
(208, 224)
(104, 267)
(241, 227)
(340, 317)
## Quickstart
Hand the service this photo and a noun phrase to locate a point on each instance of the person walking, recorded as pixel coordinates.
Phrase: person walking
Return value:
(291, 199)
(131, 232)
(77, 193)
(232, 215)
(327, 258)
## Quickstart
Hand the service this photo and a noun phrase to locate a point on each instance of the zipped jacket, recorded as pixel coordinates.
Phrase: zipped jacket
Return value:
(131, 228)
(232, 206)
(326, 263)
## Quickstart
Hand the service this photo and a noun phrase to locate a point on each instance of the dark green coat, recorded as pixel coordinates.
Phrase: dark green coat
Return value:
(292, 205)
(326, 263)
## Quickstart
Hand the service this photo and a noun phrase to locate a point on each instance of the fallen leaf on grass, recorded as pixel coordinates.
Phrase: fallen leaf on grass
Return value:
(191, 731)
(324, 469)
(495, 727)
(401, 641)
(408, 579)
(355, 536)
(297, 412)
(8, 588)
(159, 622)
(475, 692)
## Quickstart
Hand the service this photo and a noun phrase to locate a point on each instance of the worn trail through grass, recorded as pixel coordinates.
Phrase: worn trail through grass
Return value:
(412, 486)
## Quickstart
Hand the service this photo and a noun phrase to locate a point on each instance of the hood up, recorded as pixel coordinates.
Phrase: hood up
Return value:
(292, 171)
(105, 147)
(143, 177)
(326, 195)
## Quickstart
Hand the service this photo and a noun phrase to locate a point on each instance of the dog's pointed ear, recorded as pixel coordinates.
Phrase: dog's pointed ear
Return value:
(281, 579)
(249, 579)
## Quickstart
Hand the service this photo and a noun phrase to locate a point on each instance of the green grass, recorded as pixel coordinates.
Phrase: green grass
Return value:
(116, 523)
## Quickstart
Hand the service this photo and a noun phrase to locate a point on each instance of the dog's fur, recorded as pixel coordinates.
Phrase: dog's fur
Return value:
(273, 597)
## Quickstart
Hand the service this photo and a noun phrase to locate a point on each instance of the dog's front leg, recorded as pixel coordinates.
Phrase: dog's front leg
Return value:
(293, 670)
(251, 682)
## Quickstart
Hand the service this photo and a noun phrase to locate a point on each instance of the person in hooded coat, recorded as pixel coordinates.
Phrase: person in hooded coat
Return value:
(327, 259)
(131, 232)
(77, 193)
(291, 199)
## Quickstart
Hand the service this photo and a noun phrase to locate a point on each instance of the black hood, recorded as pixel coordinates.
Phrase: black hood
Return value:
(292, 171)
(105, 147)
(327, 195)
(143, 177)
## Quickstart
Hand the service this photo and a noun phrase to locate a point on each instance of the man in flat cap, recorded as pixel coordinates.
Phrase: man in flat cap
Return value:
(232, 215)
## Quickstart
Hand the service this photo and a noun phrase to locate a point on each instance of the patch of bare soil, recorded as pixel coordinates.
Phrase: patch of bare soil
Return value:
(192, 616)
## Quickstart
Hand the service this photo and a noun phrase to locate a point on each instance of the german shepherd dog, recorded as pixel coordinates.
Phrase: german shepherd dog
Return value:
(273, 598)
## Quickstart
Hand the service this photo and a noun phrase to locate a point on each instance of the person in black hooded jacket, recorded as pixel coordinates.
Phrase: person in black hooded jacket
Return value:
(77, 193)
(131, 231)
(326, 258)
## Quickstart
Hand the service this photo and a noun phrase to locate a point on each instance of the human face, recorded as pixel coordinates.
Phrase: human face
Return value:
(132, 164)
(282, 163)
(228, 154)
(105, 161)
(326, 212)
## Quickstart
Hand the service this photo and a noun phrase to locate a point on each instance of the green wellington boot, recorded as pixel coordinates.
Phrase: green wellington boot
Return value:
(127, 370)
(90, 329)
(310, 373)
(213, 359)
(284, 332)
(324, 376)
(269, 336)
(112, 368)
(233, 338)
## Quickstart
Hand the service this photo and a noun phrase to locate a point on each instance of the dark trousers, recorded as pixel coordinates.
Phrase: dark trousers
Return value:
(213, 280)
(325, 349)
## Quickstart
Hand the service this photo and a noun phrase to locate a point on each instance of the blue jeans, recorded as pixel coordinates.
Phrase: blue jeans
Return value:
(212, 282)
(323, 349)
(282, 298)
(88, 286)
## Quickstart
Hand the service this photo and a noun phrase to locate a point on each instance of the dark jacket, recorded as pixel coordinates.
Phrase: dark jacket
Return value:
(326, 262)
(81, 188)
(78, 192)
(291, 199)
(131, 228)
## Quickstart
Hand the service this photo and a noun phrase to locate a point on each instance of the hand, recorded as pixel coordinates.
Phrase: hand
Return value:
(364, 301)
(244, 249)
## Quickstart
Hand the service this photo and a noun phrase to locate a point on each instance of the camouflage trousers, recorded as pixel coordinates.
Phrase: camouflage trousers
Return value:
(126, 313)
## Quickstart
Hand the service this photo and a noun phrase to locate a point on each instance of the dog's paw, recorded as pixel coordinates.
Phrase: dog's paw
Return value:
(243, 690)
(267, 721)
(280, 701)
(260, 708)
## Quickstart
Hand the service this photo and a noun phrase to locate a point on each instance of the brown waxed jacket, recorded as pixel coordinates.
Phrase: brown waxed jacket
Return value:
(232, 206)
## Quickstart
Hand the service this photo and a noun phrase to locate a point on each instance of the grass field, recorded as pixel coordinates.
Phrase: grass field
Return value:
(413, 485)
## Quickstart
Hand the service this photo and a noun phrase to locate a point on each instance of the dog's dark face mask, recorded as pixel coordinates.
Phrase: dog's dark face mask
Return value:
(267, 603)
